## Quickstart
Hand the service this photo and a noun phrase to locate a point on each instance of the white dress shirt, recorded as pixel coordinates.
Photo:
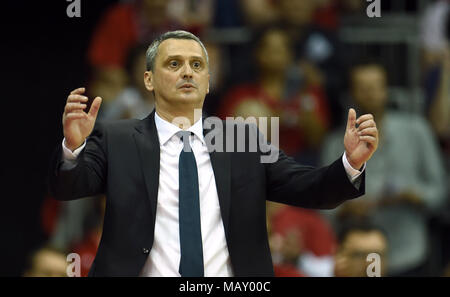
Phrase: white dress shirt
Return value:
(164, 257)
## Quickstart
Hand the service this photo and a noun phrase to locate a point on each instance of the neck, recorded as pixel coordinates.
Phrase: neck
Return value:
(183, 117)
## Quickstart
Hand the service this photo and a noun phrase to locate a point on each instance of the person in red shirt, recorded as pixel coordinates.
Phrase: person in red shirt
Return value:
(280, 90)
(301, 241)
(121, 28)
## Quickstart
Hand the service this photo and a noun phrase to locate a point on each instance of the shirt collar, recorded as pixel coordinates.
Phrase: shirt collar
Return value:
(166, 130)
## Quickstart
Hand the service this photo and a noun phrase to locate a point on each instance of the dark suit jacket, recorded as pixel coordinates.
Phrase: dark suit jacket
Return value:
(121, 159)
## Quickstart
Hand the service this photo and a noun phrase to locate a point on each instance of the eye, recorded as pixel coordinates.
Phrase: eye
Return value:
(197, 65)
(173, 63)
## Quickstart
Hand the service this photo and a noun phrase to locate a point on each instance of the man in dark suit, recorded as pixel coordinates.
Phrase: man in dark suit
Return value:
(177, 205)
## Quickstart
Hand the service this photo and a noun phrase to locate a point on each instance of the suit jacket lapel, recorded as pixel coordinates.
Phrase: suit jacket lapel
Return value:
(147, 143)
(221, 164)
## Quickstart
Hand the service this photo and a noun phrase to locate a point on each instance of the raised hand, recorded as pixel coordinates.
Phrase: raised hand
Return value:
(360, 143)
(77, 124)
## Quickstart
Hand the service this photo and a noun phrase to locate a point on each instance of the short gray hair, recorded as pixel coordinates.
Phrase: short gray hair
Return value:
(152, 50)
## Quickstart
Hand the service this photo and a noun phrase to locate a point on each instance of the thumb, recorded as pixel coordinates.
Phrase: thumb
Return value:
(95, 107)
(351, 121)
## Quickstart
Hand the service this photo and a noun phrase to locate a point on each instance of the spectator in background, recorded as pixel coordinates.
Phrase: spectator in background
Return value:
(70, 222)
(356, 240)
(134, 101)
(194, 15)
(302, 107)
(351, 7)
(47, 262)
(122, 27)
(125, 25)
(406, 179)
(326, 14)
(284, 249)
(438, 83)
(218, 69)
(433, 33)
(439, 109)
(259, 13)
(317, 51)
(301, 239)
(88, 245)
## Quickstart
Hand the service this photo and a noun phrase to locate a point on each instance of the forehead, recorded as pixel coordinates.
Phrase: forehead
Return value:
(369, 72)
(180, 47)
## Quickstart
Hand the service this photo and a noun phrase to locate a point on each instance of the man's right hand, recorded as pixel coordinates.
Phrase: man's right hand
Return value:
(77, 124)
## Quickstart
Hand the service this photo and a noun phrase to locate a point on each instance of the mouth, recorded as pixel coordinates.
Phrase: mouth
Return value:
(187, 87)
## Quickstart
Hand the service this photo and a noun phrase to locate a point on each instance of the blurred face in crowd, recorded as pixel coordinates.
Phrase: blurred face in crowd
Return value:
(351, 257)
(47, 263)
(274, 52)
(369, 89)
(180, 75)
(297, 12)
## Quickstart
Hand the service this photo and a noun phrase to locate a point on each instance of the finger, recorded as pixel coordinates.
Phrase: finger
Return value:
(76, 116)
(351, 118)
(366, 124)
(78, 110)
(70, 107)
(364, 117)
(368, 131)
(78, 91)
(95, 107)
(77, 98)
(369, 139)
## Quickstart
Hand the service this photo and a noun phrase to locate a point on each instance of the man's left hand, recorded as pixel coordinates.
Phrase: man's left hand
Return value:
(360, 143)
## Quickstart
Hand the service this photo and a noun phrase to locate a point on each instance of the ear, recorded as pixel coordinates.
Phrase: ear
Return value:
(207, 88)
(148, 80)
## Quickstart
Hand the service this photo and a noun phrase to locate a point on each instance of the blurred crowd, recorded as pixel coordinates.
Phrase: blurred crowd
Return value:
(288, 59)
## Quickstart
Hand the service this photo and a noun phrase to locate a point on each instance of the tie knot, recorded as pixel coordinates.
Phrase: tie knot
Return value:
(184, 136)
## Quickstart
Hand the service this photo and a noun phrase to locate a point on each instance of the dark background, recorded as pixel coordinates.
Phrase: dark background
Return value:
(43, 59)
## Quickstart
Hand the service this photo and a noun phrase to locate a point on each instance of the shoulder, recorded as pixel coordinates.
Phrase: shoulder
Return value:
(117, 127)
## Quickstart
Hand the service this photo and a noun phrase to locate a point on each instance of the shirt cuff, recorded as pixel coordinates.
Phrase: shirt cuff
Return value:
(352, 173)
(68, 155)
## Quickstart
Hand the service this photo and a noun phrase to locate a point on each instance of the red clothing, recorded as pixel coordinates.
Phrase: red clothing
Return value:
(291, 136)
(287, 271)
(120, 29)
(49, 214)
(327, 16)
(114, 36)
(316, 235)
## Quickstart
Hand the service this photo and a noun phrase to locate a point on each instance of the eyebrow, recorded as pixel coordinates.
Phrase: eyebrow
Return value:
(180, 56)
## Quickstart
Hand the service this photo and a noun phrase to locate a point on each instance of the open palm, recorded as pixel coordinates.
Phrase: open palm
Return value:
(77, 124)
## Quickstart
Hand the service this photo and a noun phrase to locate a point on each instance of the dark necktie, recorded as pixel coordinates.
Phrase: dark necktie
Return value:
(191, 262)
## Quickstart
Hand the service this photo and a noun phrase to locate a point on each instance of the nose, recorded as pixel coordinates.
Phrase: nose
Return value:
(187, 71)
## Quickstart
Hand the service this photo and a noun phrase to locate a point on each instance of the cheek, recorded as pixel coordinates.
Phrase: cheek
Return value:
(204, 83)
(166, 82)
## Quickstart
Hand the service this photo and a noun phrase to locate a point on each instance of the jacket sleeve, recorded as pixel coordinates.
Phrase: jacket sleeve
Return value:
(87, 175)
(294, 184)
